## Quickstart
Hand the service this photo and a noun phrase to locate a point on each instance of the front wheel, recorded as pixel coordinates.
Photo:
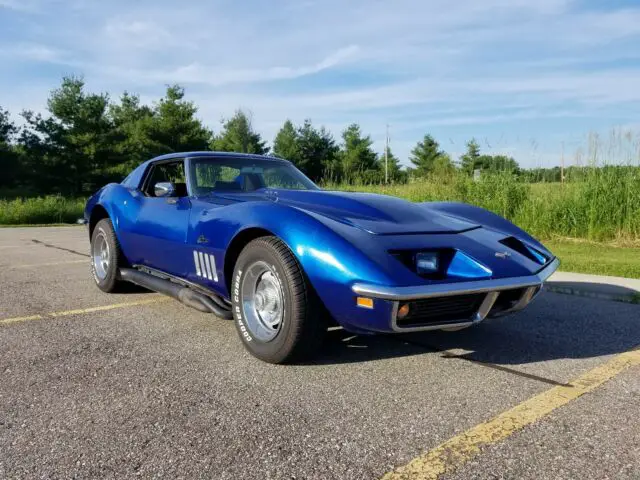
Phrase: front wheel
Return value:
(276, 311)
(106, 256)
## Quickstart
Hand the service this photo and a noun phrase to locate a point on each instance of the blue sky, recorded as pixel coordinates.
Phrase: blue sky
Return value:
(522, 76)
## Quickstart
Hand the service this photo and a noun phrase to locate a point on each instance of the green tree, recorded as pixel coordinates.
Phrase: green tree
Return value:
(443, 165)
(356, 155)
(237, 135)
(426, 156)
(72, 148)
(395, 173)
(312, 150)
(285, 145)
(175, 126)
(499, 163)
(471, 158)
(134, 140)
(9, 160)
(317, 152)
(7, 128)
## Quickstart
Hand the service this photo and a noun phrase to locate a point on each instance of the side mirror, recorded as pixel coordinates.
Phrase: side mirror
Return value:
(164, 189)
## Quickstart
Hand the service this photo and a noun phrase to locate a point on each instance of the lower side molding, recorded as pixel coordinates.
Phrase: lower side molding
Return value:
(184, 294)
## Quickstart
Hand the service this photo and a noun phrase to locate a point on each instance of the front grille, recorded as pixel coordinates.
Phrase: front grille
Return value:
(441, 310)
(507, 299)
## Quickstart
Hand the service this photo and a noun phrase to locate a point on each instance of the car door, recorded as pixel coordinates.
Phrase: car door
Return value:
(159, 236)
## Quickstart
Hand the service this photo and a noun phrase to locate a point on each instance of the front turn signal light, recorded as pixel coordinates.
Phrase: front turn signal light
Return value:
(403, 311)
(364, 302)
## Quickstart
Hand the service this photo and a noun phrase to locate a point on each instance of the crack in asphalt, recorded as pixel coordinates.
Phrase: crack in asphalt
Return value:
(75, 252)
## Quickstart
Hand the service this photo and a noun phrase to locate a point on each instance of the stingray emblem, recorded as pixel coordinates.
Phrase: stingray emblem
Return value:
(503, 255)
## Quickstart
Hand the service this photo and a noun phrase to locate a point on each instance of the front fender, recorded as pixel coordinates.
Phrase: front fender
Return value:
(331, 262)
(485, 218)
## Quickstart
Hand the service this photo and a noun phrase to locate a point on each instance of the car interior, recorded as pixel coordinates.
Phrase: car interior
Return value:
(167, 172)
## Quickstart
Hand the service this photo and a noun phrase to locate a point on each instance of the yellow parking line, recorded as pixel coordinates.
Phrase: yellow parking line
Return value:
(113, 306)
(463, 447)
(20, 319)
(81, 311)
(48, 264)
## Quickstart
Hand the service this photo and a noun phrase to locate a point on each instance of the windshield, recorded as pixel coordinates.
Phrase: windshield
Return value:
(238, 174)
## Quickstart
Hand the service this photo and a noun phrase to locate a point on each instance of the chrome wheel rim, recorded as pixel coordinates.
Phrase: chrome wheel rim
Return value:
(101, 256)
(262, 301)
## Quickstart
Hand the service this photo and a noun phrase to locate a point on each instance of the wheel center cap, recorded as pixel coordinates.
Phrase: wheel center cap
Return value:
(259, 301)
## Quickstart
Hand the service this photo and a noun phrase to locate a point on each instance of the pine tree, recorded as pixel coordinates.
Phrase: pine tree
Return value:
(285, 145)
(134, 140)
(471, 159)
(9, 160)
(317, 151)
(73, 146)
(176, 127)
(426, 155)
(357, 156)
(237, 135)
(393, 166)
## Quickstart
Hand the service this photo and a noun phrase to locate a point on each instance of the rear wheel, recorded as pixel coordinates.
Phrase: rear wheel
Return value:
(106, 257)
(277, 313)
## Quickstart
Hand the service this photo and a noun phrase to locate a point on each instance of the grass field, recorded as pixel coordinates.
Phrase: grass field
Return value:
(604, 206)
(602, 212)
(41, 210)
(597, 259)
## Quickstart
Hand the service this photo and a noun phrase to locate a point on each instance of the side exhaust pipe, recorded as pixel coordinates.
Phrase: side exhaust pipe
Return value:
(186, 295)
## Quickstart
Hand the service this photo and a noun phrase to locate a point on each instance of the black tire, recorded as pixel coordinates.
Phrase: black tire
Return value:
(302, 328)
(107, 278)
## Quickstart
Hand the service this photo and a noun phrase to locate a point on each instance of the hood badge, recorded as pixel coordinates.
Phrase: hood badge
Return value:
(503, 255)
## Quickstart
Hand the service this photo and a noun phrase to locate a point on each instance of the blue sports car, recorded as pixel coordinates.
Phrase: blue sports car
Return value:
(251, 238)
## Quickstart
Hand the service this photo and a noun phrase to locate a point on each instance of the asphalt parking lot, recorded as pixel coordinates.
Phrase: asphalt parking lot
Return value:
(98, 385)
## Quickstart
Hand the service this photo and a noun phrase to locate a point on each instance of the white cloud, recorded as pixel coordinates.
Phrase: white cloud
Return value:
(218, 75)
(128, 34)
(33, 51)
(458, 68)
(24, 6)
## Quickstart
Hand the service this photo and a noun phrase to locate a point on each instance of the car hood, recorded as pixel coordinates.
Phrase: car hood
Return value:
(376, 214)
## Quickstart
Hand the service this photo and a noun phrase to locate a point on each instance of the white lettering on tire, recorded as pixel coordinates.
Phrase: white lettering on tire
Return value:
(237, 312)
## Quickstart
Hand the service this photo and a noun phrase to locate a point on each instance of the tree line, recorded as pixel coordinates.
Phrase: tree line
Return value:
(86, 140)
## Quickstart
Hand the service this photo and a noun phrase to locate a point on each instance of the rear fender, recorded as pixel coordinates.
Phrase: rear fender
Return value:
(120, 205)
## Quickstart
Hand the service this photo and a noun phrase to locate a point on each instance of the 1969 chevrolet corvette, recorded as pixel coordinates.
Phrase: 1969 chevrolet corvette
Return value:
(251, 238)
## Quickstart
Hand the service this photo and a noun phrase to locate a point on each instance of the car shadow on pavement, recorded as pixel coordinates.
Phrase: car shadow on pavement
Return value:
(605, 291)
(555, 326)
(128, 288)
(341, 346)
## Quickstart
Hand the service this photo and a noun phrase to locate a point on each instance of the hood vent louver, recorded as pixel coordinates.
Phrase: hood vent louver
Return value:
(523, 249)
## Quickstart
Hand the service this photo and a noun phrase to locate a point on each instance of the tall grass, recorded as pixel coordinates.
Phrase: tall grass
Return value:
(40, 210)
(601, 202)
(603, 206)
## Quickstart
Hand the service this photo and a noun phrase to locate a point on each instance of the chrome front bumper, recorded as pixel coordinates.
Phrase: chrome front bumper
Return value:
(531, 285)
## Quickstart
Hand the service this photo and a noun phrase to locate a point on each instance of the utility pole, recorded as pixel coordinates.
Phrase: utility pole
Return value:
(386, 158)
